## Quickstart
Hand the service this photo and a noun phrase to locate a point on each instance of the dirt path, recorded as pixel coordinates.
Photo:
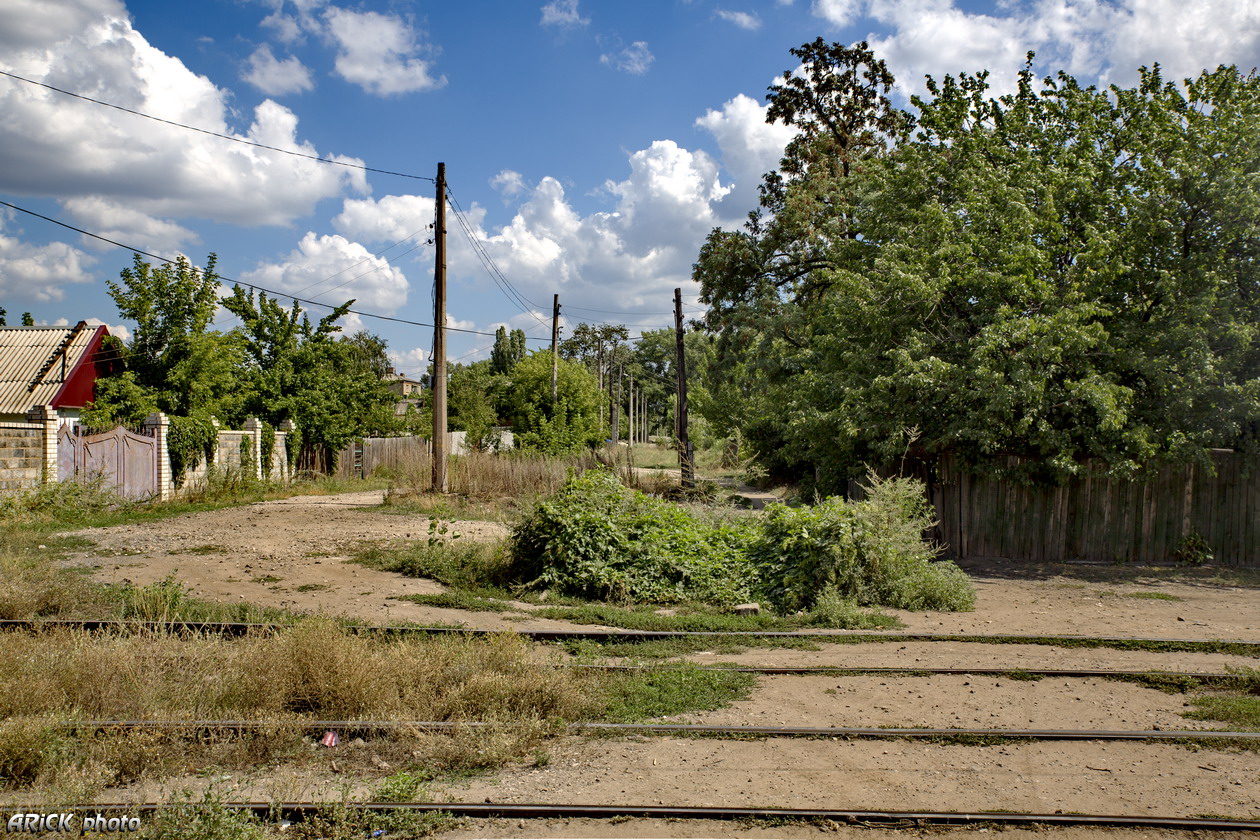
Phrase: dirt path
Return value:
(293, 553)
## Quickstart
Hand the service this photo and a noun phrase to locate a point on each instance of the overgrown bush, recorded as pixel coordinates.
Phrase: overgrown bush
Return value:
(596, 539)
(871, 551)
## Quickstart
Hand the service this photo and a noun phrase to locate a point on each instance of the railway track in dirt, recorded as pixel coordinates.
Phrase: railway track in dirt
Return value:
(872, 818)
(1243, 647)
(1243, 745)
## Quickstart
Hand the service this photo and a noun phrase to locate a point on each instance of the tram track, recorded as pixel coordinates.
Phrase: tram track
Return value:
(1205, 736)
(873, 818)
(1244, 647)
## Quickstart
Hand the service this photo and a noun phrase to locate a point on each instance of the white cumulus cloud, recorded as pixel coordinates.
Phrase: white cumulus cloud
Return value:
(275, 77)
(750, 146)
(1096, 40)
(333, 269)
(379, 53)
(509, 183)
(56, 146)
(38, 273)
(127, 225)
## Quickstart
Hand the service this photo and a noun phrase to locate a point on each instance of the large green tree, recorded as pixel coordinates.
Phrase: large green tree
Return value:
(331, 388)
(1061, 273)
(175, 362)
(567, 424)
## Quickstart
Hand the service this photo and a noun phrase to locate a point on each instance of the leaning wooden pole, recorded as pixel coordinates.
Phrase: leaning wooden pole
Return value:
(439, 335)
(686, 457)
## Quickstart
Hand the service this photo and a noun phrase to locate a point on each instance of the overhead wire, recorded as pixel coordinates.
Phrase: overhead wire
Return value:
(521, 302)
(220, 135)
(253, 286)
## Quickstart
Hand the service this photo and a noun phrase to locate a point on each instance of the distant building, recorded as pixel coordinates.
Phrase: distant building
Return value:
(408, 390)
(53, 366)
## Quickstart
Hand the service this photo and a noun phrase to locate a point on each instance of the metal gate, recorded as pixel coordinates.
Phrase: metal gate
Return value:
(126, 462)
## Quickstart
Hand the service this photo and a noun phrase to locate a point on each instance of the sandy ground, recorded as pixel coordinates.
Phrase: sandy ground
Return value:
(293, 553)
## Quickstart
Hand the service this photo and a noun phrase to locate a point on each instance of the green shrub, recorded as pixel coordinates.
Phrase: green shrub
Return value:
(871, 551)
(597, 539)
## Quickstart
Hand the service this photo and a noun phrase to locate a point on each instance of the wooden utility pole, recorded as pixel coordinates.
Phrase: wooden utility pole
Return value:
(555, 344)
(615, 412)
(686, 457)
(633, 417)
(439, 335)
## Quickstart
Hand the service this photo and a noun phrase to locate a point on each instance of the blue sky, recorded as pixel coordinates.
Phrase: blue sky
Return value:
(591, 144)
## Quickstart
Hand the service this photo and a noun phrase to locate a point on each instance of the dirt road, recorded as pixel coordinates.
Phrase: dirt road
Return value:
(293, 553)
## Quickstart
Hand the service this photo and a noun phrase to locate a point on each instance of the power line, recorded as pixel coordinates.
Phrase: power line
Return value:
(316, 158)
(521, 302)
(255, 287)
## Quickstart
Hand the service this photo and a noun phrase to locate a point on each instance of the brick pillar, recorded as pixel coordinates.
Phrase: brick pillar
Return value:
(253, 429)
(157, 425)
(46, 416)
(282, 448)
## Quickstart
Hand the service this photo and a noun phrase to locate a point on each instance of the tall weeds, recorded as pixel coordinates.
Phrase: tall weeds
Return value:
(488, 475)
(314, 671)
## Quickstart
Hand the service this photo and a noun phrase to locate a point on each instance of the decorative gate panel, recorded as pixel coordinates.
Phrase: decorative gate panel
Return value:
(126, 461)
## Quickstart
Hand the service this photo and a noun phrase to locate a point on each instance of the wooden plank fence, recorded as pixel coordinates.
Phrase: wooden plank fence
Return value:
(1101, 519)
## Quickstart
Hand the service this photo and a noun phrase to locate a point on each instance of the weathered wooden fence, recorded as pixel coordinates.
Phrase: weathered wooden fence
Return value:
(358, 460)
(1102, 519)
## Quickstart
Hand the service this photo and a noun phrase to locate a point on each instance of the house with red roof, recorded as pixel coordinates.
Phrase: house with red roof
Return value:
(52, 366)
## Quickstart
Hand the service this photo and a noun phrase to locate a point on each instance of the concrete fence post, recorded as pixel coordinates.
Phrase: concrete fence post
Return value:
(253, 429)
(46, 416)
(157, 425)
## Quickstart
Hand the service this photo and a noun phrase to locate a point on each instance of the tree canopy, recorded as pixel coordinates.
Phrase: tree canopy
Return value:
(1061, 273)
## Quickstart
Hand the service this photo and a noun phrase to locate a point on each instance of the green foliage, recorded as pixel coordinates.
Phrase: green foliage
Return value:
(189, 440)
(508, 350)
(596, 539)
(403, 786)
(567, 426)
(871, 552)
(1061, 273)
(297, 371)
(208, 819)
(656, 693)
(65, 501)
(268, 448)
(176, 362)
(473, 394)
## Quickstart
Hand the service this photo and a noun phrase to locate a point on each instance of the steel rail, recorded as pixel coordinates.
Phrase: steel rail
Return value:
(832, 636)
(1012, 672)
(845, 732)
(300, 810)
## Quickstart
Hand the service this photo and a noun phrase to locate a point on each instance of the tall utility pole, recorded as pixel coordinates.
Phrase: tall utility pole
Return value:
(615, 412)
(630, 413)
(439, 335)
(686, 457)
(555, 343)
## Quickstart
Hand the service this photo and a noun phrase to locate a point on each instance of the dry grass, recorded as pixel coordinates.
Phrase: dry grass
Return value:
(36, 587)
(487, 475)
(315, 671)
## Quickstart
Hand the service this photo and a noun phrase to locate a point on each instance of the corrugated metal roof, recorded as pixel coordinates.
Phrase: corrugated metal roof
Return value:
(35, 361)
